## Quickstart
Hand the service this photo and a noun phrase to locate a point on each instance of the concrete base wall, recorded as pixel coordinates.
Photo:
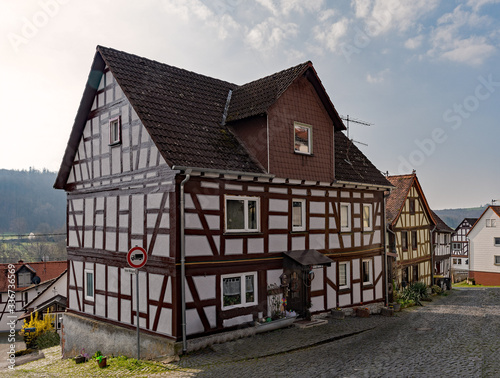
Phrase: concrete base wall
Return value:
(79, 332)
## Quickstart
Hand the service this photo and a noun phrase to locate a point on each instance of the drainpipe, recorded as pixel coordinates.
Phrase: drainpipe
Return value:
(183, 261)
(432, 255)
(385, 256)
(385, 250)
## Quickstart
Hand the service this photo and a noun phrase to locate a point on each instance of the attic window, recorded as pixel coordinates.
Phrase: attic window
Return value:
(302, 138)
(115, 132)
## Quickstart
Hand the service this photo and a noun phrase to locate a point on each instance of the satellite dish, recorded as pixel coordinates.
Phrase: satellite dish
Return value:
(36, 280)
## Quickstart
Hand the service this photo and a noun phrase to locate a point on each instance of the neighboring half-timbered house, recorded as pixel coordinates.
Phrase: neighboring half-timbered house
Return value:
(234, 190)
(441, 240)
(460, 249)
(409, 225)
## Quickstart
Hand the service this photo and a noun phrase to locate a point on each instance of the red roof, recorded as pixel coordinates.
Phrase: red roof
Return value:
(45, 270)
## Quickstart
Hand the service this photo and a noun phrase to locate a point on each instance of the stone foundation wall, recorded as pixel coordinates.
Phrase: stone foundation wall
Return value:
(80, 333)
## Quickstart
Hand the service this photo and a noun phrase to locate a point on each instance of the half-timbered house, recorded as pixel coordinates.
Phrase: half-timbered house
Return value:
(235, 190)
(441, 241)
(409, 227)
(460, 249)
(484, 252)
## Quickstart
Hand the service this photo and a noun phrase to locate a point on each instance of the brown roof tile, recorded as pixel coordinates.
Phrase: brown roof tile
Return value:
(45, 270)
(352, 165)
(440, 225)
(396, 199)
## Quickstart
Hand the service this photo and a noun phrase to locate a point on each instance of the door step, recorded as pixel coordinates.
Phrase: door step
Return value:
(309, 323)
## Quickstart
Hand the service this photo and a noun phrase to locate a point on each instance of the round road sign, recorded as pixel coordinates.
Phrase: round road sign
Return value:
(137, 257)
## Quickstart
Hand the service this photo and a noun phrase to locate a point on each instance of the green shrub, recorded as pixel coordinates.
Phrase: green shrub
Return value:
(436, 289)
(41, 324)
(48, 339)
(412, 294)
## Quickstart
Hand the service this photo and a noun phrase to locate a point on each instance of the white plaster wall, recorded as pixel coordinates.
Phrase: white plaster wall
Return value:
(205, 286)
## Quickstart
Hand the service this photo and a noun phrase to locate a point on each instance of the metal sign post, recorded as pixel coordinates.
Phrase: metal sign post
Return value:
(137, 258)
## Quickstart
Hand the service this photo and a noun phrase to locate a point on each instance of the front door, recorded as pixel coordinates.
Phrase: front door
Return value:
(297, 294)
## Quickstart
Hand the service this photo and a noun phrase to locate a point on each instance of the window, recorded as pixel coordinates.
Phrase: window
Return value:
(238, 290)
(459, 261)
(115, 132)
(415, 273)
(367, 272)
(404, 240)
(454, 261)
(367, 217)
(412, 205)
(497, 260)
(414, 240)
(302, 138)
(23, 279)
(445, 236)
(242, 214)
(345, 217)
(89, 284)
(497, 242)
(455, 246)
(298, 215)
(344, 275)
(491, 222)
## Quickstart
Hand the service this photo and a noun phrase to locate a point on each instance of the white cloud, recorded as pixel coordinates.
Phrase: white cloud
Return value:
(386, 15)
(268, 34)
(448, 43)
(414, 43)
(378, 77)
(477, 4)
(326, 14)
(331, 35)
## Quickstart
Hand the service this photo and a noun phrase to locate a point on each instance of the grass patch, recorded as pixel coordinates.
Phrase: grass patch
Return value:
(465, 284)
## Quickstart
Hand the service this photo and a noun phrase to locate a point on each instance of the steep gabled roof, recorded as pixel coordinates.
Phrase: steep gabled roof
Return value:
(495, 209)
(353, 166)
(257, 96)
(440, 224)
(471, 221)
(397, 197)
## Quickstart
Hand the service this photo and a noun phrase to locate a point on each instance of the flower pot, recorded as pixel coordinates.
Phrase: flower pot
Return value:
(80, 359)
(102, 363)
(362, 312)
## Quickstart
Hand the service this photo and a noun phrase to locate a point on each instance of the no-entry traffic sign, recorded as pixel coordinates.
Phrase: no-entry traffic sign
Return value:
(137, 257)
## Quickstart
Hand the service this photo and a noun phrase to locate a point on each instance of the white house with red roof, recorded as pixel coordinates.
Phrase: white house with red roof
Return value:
(22, 282)
(484, 248)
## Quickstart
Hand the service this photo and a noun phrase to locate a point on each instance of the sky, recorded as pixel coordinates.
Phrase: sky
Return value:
(425, 74)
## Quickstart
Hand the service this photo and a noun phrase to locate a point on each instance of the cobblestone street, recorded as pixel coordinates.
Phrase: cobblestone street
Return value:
(457, 335)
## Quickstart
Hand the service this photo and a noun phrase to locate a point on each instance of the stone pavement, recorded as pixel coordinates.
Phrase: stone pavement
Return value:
(457, 335)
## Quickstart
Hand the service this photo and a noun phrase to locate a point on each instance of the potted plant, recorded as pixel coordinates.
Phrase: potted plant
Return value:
(100, 359)
(337, 313)
(82, 357)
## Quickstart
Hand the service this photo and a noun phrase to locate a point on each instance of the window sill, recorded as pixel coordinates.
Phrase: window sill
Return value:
(115, 143)
(302, 153)
(242, 233)
(299, 232)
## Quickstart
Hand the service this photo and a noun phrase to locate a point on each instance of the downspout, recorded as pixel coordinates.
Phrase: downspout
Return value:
(183, 261)
(432, 255)
(385, 256)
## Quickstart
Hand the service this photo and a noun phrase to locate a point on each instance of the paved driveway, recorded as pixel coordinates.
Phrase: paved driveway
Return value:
(453, 336)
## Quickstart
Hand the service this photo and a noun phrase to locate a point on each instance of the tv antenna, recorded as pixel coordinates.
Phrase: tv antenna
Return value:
(357, 121)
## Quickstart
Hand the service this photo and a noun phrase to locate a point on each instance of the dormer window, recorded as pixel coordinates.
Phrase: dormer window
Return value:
(115, 132)
(23, 279)
(302, 138)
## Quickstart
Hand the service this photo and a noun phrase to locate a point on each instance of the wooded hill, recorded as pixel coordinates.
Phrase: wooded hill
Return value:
(453, 217)
(29, 203)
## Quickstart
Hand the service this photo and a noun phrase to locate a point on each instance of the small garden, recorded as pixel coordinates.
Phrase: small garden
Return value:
(38, 333)
(416, 293)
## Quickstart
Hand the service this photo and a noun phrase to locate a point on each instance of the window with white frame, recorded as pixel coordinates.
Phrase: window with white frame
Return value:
(367, 272)
(239, 290)
(23, 279)
(345, 217)
(344, 275)
(302, 134)
(89, 284)
(367, 217)
(497, 260)
(455, 246)
(497, 242)
(115, 132)
(242, 214)
(491, 222)
(298, 215)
